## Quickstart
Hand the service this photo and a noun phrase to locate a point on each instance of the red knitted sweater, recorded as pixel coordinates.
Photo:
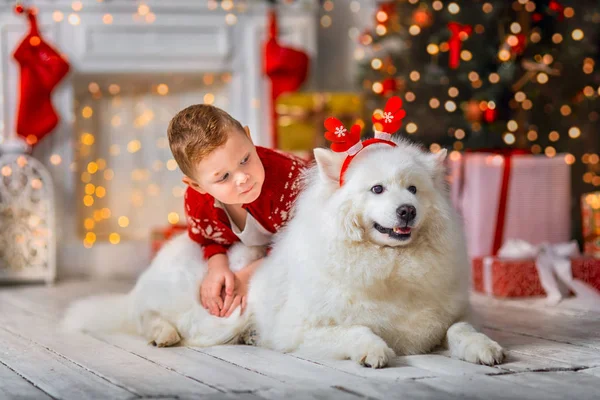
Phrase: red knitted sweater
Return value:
(209, 226)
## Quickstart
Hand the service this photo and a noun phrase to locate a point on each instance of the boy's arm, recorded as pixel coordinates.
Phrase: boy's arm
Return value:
(248, 271)
(210, 229)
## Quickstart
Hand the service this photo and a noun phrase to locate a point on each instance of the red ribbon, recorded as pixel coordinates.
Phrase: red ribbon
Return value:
(507, 155)
(455, 43)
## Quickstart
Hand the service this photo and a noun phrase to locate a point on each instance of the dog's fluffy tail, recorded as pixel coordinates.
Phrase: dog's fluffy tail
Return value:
(103, 313)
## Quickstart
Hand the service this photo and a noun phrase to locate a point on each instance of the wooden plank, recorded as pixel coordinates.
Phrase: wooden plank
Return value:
(397, 369)
(53, 374)
(213, 372)
(309, 373)
(570, 307)
(568, 385)
(381, 390)
(591, 371)
(489, 387)
(299, 393)
(111, 363)
(15, 386)
(556, 355)
(578, 330)
(292, 367)
(52, 300)
(441, 365)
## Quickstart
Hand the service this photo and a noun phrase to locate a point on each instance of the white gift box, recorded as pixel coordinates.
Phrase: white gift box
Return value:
(537, 199)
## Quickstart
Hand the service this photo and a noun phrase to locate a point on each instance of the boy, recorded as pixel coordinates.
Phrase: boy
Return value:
(237, 192)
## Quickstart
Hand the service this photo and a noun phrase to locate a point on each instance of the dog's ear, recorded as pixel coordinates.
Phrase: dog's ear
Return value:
(329, 164)
(350, 222)
(436, 163)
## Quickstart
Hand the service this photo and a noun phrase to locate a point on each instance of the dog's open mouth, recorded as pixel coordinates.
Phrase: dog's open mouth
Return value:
(399, 233)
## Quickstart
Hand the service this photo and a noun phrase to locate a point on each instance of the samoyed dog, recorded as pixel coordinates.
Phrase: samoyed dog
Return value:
(367, 270)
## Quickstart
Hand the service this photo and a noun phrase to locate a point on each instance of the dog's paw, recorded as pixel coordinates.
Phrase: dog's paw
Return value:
(249, 337)
(375, 355)
(480, 349)
(165, 337)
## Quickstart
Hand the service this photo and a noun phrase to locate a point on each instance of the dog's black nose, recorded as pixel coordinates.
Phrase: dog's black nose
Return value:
(406, 213)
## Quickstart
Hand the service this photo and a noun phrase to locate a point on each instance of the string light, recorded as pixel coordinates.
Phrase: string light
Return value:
(162, 89)
(574, 132)
(453, 8)
(411, 128)
(577, 34)
(231, 19)
(557, 38)
(532, 136)
(57, 16)
(509, 138)
(434, 147)
(74, 19)
(414, 30)
(550, 151)
(114, 238)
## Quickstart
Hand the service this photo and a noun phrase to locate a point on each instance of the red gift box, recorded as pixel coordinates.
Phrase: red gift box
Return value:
(160, 236)
(519, 278)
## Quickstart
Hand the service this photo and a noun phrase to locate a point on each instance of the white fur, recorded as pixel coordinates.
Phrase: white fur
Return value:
(333, 285)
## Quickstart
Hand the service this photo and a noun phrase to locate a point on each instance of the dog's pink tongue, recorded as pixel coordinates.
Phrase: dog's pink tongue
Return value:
(402, 230)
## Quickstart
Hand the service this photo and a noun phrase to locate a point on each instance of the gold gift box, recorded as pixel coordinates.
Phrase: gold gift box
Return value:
(300, 117)
(590, 213)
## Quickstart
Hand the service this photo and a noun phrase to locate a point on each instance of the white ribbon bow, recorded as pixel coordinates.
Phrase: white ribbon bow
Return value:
(551, 262)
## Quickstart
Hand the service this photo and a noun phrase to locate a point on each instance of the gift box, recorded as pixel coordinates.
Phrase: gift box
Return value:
(504, 195)
(590, 217)
(520, 278)
(525, 270)
(300, 118)
(160, 236)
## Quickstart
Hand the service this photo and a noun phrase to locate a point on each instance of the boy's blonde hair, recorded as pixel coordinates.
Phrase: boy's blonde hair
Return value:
(196, 131)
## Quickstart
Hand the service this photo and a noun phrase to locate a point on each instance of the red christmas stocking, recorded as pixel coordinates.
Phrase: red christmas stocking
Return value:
(41, 69)
(286, 67)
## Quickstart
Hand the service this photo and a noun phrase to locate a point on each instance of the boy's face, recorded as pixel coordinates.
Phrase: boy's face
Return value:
(233, 173)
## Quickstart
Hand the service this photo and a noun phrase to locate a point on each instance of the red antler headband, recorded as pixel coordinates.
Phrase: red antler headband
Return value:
(349, 142)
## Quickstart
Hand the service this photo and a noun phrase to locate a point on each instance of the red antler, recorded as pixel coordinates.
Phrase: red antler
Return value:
(391, 120)
(341, 139)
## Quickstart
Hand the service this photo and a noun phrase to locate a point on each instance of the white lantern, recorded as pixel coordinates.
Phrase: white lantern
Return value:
(27, 230)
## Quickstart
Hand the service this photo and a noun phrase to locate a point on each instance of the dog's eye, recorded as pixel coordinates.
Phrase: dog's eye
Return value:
(377, 189)
(412, 189)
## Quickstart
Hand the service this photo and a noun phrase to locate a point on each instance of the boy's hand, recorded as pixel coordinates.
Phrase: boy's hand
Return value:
(217, 279)
(239, 294)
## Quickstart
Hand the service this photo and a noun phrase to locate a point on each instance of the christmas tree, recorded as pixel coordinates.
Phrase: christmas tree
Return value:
(477, 74)
(491, 74)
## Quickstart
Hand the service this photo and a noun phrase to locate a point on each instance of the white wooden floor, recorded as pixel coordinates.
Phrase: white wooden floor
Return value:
(553, 353)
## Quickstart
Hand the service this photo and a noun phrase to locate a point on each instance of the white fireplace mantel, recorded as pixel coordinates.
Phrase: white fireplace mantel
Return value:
(186, 37)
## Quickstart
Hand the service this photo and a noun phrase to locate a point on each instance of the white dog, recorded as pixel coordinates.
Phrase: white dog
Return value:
(372, 268)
